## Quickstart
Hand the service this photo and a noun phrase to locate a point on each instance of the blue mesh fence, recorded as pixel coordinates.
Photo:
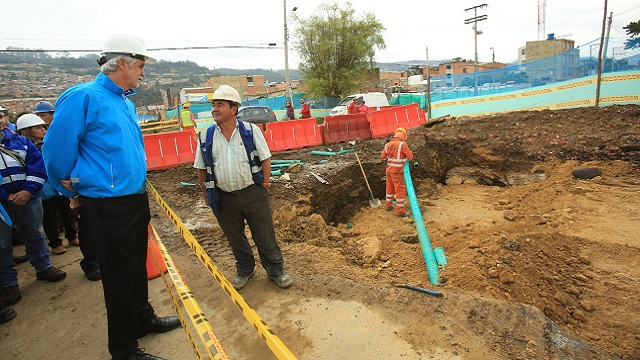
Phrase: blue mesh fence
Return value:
(578, 62)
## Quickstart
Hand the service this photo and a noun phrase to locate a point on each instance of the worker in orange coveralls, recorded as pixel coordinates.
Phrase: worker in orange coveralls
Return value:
(396, 152)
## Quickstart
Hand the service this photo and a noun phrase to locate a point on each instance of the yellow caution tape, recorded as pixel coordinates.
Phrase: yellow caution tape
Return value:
(276, 345)
(198, 319)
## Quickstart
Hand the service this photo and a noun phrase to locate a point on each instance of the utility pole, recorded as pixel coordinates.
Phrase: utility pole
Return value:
(599, 78)
(606, 40)
(475, 20)
(428, 87)
(288, 94)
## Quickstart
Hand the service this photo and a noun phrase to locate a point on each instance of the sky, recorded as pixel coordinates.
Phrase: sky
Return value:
(240, 30)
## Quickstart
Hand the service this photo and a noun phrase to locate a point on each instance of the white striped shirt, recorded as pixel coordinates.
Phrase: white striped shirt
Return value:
(230, 161)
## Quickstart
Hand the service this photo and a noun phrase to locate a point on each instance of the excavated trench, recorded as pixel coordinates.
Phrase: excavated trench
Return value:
(437, 162)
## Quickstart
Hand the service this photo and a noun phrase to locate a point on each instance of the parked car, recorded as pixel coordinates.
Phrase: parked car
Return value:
(372, 100)
(259, 115)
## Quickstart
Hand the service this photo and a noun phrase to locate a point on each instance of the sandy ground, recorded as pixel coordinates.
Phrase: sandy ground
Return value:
(541, 265)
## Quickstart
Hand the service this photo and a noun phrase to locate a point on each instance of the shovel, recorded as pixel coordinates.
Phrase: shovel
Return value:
(373, 201)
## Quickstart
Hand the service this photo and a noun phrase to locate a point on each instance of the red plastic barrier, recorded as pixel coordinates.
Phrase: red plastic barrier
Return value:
(166, 150)
(292, 134)
(154, 250)
(342, 128)
(385, 121)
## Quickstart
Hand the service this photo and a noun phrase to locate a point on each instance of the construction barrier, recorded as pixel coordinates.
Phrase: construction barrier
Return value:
(343, 128)
(166, 150)
(385, 121)
(153, 250)
(292, 134)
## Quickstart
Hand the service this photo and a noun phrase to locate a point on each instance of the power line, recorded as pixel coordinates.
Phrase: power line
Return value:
(267, 46)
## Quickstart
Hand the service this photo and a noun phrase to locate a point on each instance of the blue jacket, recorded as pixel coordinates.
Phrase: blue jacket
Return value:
(95, 141)
(21, 167)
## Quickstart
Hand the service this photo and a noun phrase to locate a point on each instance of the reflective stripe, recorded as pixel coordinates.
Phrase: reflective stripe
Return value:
(397, 161)
(36, 179)
(15, 177)
(209, 184)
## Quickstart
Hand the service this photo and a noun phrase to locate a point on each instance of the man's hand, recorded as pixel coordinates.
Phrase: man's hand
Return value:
(67, 185)
(20, 198)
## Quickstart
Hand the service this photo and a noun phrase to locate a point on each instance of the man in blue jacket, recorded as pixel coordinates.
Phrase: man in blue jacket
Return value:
(23, 174)
(94, 150)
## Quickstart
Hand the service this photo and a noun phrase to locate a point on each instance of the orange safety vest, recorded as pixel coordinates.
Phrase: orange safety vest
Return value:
(396, 155)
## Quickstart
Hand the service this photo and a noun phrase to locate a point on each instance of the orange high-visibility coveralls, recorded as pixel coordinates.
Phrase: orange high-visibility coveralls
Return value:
(397, 153)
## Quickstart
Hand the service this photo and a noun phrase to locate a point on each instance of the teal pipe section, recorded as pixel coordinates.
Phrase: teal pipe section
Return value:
(423, 237)
(441, 258)
(346, 151)
(276, 173)
(325, 153)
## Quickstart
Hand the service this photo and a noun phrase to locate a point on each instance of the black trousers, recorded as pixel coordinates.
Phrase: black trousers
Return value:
(252, 205)
(52, 207)
(120, 229)
(89, 262)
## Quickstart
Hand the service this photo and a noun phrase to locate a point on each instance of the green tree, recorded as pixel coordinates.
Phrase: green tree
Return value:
(337, 49)
(633, 30)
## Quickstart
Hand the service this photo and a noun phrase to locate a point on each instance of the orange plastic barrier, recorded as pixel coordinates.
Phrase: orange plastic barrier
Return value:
(154, 250)
(293, 134)
(165, 150)
(342, 128)
(385, 121)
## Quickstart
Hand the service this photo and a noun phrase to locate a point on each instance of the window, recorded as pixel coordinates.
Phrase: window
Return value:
(249, 80)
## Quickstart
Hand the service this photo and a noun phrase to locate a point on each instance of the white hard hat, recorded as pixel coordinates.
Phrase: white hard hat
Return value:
(28, 120)
(226, 92)
(2, 109)
(127, 45)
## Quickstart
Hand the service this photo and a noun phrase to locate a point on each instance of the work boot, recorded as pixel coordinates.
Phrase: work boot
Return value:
(283, 281)
(59, 250)
(11, 295)
(20, 259)
(6, 313)
(51, 274)
(141, 355)
(240, 281)
(74, 242)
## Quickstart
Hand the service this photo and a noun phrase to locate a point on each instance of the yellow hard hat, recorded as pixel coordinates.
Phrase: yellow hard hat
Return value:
(186, 105)
(400, 134)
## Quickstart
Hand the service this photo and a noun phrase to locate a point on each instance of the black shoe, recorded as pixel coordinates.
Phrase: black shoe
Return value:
(141, 355)
(51, 274)
(159, 325)
(10, 295)
(94, 275)
(20, 259)
(6, 313)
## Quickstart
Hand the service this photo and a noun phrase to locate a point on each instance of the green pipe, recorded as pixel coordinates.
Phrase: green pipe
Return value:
(325, 153)
(345, 151)
(441, 258)
(423, 237)
(276, 173)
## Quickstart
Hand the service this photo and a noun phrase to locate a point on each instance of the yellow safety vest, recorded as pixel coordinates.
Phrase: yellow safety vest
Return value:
(186, 118)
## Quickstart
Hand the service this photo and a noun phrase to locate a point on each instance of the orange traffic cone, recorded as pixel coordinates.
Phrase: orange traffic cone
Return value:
(152, 269)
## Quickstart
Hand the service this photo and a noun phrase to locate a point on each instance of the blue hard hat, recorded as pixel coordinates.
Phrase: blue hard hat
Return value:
(44, 106)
